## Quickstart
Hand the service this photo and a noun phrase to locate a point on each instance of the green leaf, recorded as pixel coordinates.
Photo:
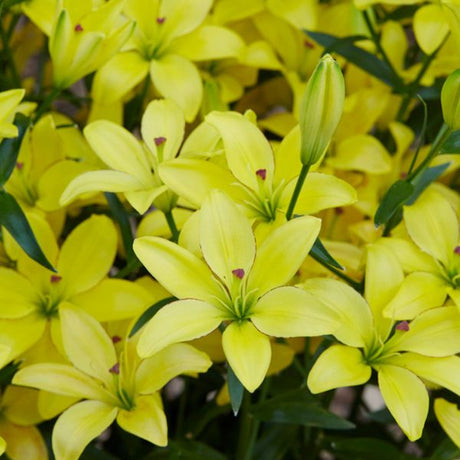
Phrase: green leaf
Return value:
(150, 313)
(366, 448)
(119, 213)
(452, 144)
(296, 408)
(321, 254)
(393, 199)
(446, 450)
(423, 180)
(357, 56)
(235, 390)
(275, 442)
(9, 148)
(193, 450)
(14, 220)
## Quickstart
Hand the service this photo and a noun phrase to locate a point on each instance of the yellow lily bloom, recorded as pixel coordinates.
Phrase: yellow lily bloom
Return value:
(134, 167)
(261, 182)
(240, 285)
(82, 36)
(433, 262)
(32, 296)
(113, 386)
(9, 100)
(19, 438)
(164, 44)
(404, 354)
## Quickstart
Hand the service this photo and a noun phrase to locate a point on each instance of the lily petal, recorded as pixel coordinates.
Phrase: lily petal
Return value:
(118, 149)
(78, 426)
(87, 255)
(282, 252)
(418, 292)
(179, 321)
(248, 352)
(155, 372)
(163, 119)
(433, 225)
(292, 312)
(430, 27)
(87, 344)
(406, 398)
(61, 379)
(177, 78)
(146, 420)
(448, 415)
(178, 270)
(338, 366)
(247, 150)
(226, 238)
(17, 295)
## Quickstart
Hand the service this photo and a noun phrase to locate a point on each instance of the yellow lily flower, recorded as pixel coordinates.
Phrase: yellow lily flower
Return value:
(113, 386)
(19, 438)
(134, 167)
(165, 43)
(238, 285)
(82, 36)
(32, 296)
(402, 353)
(9, 100)
(433, 262)
(253, 181)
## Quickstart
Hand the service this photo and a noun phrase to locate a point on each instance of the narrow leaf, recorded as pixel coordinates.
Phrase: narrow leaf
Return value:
(150, 313)
(9, 148)
(14, 220)
(393, 199)
(357, 56)
(322, 255)
(452, 143)
(121, 216)
(422, 181)
(235, 390)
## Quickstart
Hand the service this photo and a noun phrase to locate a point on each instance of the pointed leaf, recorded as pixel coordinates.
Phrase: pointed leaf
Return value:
(150, 313)
(9, 148)
(235, 390)
(322, 255)
(14, 220)
(451, 144)
(394, 198)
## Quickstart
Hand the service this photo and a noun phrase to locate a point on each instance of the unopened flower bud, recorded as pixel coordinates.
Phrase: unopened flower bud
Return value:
(450, 100)
(321, 109)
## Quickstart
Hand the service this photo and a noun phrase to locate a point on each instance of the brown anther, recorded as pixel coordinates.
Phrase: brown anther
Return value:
(115, 369)
(161, 20)
(338, 210)
(402, 326)
(308, 44)
(116, 339)
(159, 140)
(262, 173)
(457, 250)
(19, 165)
(403, 175)
(78, 28)
(239, 273)
(55, 278)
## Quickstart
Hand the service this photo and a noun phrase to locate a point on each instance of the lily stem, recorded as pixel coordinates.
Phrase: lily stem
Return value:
(297, 190)
(172, 226)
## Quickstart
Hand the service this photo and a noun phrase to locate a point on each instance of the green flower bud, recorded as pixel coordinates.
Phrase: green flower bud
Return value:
(321, 109)
(450, 100)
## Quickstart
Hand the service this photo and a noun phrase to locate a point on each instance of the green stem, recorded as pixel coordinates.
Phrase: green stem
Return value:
(172, 226)
(441, 137)
(414, 86)
(376, 39)
(181, 410)
(245, 427)
(254, 428)
(9, 57)
(46, 104)
(130, 267)
(298, 188)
